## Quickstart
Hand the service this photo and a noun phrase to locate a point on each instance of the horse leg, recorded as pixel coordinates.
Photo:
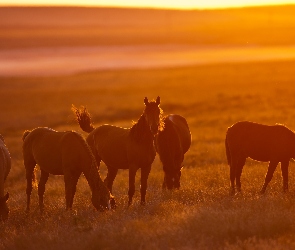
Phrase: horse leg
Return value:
(131, 191)
(271, 168)
(30, 166)
(232, 175)
(164, 185)
(70, 188)
(145, 171)
(41, 188)
(109, 180)
(284, 169)
(239, 170)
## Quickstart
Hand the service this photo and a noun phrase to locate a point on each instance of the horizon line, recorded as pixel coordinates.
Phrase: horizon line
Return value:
(144, 7)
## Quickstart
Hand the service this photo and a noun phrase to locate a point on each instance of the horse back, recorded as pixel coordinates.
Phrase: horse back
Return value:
(182, 129)
(51, 149)
(110, 143)
(261, 142)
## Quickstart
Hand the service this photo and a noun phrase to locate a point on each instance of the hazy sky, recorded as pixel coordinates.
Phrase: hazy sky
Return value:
(151, 3)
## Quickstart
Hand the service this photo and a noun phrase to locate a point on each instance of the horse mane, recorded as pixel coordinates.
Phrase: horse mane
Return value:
(93, 170)
(25, 134)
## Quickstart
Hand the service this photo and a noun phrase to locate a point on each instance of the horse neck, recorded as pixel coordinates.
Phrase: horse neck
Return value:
(92, 176)
(90, 170)
(140, 132)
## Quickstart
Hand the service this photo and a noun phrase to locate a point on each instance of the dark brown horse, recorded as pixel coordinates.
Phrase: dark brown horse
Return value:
(265, 143)
(5, 165)
(62, 153)
(171, 144)
(125, 148)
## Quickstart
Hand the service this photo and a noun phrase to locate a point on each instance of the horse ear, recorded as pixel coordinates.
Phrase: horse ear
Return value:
(158, 100)
(6, 196)
(146, 101)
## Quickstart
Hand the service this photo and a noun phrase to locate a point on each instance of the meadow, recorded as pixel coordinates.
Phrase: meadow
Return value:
(201, 215)
(212, 97)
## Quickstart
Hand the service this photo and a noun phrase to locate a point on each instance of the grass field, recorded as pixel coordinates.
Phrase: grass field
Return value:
(201, 215)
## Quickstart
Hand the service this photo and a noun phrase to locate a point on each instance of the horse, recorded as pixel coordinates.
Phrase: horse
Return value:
(125, 148)
(62, 153)
(5, 166)
(171, 144)
(260, 142)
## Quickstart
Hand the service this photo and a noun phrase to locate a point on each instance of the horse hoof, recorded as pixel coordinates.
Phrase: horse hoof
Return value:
(232, 192)
(262, 192)
(113, 204)
(142, 203)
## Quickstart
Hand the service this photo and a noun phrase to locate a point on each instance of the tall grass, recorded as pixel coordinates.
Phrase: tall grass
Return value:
(201, 215)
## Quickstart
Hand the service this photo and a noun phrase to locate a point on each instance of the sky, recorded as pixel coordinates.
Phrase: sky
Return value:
(174, 4)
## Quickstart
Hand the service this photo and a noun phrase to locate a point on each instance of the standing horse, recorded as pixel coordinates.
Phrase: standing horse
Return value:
(264, 143)
(62, 153)
(5, 165)
(125, 148)
(171, 144)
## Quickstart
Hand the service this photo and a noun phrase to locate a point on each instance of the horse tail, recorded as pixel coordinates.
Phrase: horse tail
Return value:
(228, 155)
(25, 134)
(83, 118)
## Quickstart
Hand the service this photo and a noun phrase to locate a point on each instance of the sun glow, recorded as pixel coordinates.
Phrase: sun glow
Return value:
(171, 4)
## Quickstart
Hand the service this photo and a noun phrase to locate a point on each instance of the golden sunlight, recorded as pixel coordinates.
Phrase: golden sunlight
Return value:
(174, 4)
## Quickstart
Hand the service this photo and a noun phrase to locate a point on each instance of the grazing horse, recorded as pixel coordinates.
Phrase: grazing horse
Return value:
(62, 153)
(171, 144)
(125, 148)
(264, 143)
(5, 165)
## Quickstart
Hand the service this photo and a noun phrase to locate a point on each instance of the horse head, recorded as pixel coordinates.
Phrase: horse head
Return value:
(172, 179)
(102, 199)
(4, 211)
(153, 115)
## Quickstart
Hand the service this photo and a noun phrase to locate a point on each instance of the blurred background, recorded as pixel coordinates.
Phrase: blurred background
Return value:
(59, 40)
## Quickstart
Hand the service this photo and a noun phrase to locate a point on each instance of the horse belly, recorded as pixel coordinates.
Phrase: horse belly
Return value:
(141, 156)
(261, 156)
(113, 154)
(50, 163)
(111, 146)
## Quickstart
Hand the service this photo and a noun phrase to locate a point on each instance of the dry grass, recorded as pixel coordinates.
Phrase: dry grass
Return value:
(201, 215)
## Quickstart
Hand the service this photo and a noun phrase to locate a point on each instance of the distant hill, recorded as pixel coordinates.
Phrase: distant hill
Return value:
(25, 27)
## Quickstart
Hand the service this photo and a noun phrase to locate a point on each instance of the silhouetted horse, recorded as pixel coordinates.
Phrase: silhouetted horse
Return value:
(171, 144)
(271, 144)
(5, 165)
(62, 153)
(125, 148)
